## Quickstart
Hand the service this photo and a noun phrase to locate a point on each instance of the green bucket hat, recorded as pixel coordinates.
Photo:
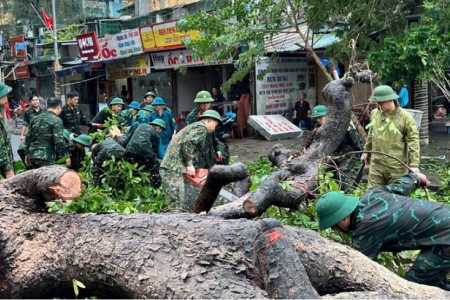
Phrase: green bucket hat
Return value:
(83, 139)
(158, 101)
(383, 93)
(150, 94)
(134, 105)
(319, 111)
(66, 134)
(4, 89)
(334, 207)
(211, 114)
(116, 101)
(149, 108)
(203, 97)
(159, 122)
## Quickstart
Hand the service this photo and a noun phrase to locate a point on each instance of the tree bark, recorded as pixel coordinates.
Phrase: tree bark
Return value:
(302, 171)
(177, 256)
(218, 177)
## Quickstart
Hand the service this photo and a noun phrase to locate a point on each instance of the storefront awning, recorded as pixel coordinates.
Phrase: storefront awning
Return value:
(289, 40)
(78, 69)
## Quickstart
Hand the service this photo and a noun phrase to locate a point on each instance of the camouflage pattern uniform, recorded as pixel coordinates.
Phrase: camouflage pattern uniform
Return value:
(104, 151)
(386, 219)
(27, 116)
(72, 119)
(44, 141)
(142, 148)
(105, 115)
(165, 135)
(180, 154)
(6, 154)
(207, 155)
(384, 170)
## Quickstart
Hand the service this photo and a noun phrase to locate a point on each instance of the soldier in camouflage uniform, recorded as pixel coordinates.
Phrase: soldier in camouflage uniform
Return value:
(213, 148)
(352, 141)
(105, 151)
(33, 111)
(78, 152)
(72, 117)
(44, 141)
(386, 219)
(6, 155)
(402, 143)
(142, 146)
(180, 156)
(109, 113)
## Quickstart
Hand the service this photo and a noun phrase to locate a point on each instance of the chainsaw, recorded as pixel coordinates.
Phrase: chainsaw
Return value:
(199, 179)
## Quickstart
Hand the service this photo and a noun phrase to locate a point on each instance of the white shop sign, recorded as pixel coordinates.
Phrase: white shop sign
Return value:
(277, 92)
(171, 59)
(120, 45)
(274, 127)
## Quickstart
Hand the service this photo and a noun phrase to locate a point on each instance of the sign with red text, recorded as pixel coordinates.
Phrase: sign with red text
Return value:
(274, 127)
(277, 92)
(88, 46)
(120, 45)
(139, 66)
(165, 36)
(171, 59)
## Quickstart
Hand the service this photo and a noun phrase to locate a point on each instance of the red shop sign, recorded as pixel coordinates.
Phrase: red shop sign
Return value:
(88, 46)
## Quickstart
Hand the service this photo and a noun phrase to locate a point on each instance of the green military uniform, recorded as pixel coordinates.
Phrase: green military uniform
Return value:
(180, 154)
(128, 115)
(44, 141)
(385, 219)
(6, 154)
(27, 116)
(142, 148)
(105, 151)
(72, 118)
(206, 157)
(383, 169)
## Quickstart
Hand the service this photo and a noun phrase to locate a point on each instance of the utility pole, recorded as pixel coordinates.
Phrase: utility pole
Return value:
(56, 65)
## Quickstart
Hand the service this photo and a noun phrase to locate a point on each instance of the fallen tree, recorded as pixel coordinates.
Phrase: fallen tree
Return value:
(302, 170)
(172, 256)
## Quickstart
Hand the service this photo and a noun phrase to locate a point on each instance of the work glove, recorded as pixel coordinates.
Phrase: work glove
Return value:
(364, 158)
(190, 170)
(423, 181)
(415, 170)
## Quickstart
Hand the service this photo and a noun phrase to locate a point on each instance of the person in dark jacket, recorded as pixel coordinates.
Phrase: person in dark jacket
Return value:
(386, 219)
(105, 151)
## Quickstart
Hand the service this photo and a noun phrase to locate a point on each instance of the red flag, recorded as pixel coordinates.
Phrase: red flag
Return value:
(48, 21)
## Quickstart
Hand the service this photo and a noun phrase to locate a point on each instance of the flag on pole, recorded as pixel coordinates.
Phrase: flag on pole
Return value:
(47, 20)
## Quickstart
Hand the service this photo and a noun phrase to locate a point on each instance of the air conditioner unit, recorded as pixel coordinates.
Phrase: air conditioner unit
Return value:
(179, 13)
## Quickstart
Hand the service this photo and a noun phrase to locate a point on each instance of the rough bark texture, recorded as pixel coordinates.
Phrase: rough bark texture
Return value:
(176, 256)
(303, 170)
(218, 177)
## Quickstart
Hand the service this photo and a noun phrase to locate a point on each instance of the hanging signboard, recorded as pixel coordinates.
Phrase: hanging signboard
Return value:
(274, 127)
(20, 57)
(120, 45)
(171, 59)
(165, 36)
(139, 66)
(277, 92)
(88, 46)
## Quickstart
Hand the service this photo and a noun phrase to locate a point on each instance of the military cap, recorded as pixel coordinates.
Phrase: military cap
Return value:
(159, 122)
(334, 207)
(203, 97)
(383, 93)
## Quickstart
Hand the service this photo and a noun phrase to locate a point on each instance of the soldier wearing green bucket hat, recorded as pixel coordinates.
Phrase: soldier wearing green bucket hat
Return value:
(6, 154)
(130, 114)
(386, 219)
(213, 149)
(78, 151)
(392, 131)
(110, 112)
(352, 141)
(180, 155)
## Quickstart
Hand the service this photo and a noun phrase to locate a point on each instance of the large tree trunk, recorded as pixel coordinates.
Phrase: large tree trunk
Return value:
(303, 170)
(176, 256)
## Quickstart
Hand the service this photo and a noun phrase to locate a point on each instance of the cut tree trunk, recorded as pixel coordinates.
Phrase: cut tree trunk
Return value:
(302, 171)
(176, 256)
